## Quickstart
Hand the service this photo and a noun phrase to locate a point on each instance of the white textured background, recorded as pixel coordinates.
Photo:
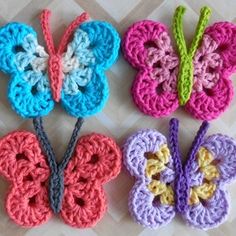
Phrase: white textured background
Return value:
(120, 118)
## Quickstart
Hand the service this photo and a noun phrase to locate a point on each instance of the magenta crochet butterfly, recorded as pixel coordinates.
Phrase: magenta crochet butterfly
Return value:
(164, 187)
(197, 77)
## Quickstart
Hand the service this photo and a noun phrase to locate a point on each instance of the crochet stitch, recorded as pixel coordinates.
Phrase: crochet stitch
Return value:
(165, 187)
(73, 73)
(198, 77)
(75, 191)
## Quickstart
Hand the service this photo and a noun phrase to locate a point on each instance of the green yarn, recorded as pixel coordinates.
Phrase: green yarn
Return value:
(185, 77)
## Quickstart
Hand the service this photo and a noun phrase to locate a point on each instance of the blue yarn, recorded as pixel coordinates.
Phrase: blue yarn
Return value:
(90, 99)
(80, 48)
(27, 90)
(85, 89)
(11, 37)
(25, 102)
(104, 44)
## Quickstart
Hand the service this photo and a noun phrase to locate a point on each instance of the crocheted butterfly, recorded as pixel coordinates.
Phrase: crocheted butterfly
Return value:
(197, 77)
(165, 187)
(72, 73)
(76, 191)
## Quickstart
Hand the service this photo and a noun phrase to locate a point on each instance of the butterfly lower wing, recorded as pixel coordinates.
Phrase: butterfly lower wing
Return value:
(83, 205)
(214, 62)
(213, 168)
(24, 166)
(146, 210)
(90, 98)
(97, 160)
(147, 46)
(25, 61)
(147, 158)
(26, 100)
(149, 100)
(210, 214)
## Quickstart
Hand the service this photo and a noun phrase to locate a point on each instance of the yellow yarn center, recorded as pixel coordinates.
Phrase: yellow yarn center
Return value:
(210, 172)
(156, 163)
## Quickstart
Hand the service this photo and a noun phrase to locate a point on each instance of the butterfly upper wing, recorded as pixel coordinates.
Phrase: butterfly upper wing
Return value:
(144, 207)
(95, 47)
(21, 58)
(217, 169)
(23, 165)
(97, 159)
(147, 46)
(214, 62)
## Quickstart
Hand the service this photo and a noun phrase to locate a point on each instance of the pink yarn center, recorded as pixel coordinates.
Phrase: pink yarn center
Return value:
(207, 64)
(163, 61)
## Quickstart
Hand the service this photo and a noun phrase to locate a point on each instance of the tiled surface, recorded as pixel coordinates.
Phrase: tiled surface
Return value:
(120, 118)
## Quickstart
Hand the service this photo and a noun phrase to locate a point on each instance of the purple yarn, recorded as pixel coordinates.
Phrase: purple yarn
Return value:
(142, 206)
(215, 210)
(205, 214)
(182, 189)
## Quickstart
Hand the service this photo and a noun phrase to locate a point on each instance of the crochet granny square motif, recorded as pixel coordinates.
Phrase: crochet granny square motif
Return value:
(197, 77)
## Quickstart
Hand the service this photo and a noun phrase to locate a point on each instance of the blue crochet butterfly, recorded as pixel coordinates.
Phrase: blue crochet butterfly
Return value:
(72, 73)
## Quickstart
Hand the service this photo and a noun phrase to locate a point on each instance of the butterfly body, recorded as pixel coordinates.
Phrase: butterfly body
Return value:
(164, 186)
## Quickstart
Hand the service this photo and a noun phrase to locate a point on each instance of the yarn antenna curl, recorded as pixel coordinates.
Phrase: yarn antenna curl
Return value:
(185, 76)
(54, 62)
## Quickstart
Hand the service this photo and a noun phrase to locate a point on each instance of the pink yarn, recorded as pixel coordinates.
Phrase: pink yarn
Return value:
(154, 89)
(210, 103)
(147, 46)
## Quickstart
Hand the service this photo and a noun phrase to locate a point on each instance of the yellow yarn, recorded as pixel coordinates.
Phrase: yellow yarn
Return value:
(157, 187)
(167, 197)
(156, 162)
(210, 172)
(204, 191)
(205, 159)
(165, 192)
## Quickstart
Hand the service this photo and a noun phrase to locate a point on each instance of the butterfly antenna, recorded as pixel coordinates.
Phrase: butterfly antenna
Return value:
(70, 30)
(73, 140)
(180, 181)
(183, 185)
(185, 76)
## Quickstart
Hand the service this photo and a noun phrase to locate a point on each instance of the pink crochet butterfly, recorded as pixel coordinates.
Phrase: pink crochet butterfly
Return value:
(95, 161)
(197, 77)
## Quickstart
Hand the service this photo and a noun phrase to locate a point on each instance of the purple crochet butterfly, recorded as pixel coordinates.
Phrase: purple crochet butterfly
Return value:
(165, 187)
